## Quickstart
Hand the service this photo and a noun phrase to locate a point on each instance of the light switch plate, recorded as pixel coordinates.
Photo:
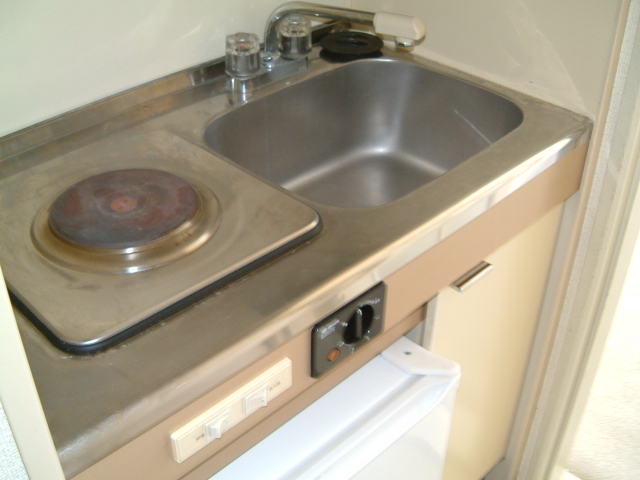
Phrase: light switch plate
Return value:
(224, 415)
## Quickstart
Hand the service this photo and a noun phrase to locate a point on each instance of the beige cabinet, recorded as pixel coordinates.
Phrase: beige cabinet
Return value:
(488, 329)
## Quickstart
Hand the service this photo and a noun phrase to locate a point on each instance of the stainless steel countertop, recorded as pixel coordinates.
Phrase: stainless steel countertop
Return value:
(96, 404)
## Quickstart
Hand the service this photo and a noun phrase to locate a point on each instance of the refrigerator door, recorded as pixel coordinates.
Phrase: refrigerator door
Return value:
(392, 415)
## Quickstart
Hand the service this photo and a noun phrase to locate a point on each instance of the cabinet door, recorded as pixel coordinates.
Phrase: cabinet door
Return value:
(488, 329)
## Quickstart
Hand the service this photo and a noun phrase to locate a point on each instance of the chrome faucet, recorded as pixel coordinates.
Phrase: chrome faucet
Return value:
(404, 28)
(288, 35)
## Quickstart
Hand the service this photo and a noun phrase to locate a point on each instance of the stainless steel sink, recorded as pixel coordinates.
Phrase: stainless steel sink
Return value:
(364, 134)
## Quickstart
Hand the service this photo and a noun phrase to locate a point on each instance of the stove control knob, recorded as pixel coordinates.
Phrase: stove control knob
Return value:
(342, 333)
(359, 324)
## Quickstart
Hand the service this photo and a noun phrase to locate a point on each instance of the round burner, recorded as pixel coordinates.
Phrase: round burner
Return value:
(126, 221)
(123, 208)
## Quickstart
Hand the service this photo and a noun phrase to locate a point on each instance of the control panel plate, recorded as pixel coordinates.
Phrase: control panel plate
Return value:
(339, 335)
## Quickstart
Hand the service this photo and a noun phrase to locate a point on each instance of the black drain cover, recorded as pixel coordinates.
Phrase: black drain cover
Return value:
(345, 46)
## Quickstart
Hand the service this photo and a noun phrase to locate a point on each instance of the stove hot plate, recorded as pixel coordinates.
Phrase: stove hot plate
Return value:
(126, 221)
(101, 243)
(123, 208)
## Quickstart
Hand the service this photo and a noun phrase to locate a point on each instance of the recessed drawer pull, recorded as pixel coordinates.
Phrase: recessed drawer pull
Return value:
(465, 282)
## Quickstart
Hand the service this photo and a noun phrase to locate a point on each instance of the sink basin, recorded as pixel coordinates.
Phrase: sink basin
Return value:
(364, 134)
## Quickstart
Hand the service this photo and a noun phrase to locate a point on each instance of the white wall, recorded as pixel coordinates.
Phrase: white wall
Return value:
(59, 55)
(555, 50)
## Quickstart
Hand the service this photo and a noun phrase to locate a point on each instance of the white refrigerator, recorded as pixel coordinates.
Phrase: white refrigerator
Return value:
(389, 420)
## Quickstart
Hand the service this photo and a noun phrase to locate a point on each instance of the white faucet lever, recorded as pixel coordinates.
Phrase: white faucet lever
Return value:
(405, 28)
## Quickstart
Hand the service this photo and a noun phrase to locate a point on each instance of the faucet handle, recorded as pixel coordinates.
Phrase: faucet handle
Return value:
(242, 55)
(294, 37)
(405, 28)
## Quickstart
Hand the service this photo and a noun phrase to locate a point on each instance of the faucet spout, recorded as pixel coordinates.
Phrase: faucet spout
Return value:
(309, 10)
(404, 27)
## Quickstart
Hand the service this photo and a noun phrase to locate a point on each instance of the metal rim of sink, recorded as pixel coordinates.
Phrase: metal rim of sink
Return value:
(339, 138)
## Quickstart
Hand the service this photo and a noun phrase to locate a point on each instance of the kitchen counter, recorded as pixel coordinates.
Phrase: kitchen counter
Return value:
(95, 404)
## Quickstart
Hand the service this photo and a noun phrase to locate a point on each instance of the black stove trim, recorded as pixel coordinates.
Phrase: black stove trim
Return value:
(118, 338)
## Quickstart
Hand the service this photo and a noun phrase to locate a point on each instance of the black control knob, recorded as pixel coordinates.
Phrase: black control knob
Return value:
(359, 324)
(341, 334)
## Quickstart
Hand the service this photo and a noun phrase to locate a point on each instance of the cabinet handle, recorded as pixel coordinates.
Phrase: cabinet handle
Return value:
(474, 275)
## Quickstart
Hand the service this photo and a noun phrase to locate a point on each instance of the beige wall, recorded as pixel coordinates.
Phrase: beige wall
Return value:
(22, 420)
